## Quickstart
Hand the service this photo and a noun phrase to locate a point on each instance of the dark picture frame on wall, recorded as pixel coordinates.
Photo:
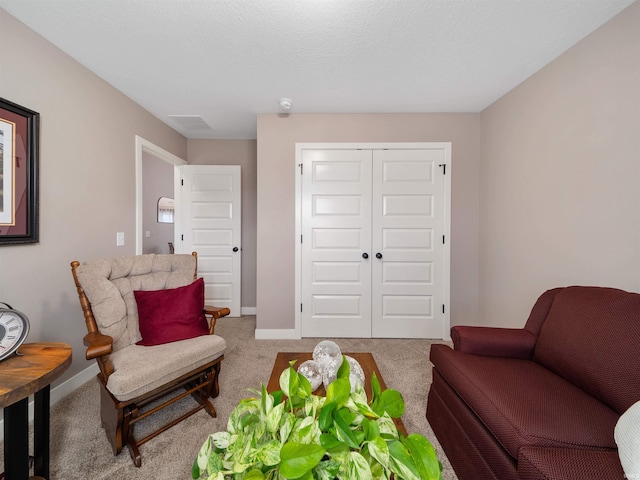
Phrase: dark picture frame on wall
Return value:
(19, 150)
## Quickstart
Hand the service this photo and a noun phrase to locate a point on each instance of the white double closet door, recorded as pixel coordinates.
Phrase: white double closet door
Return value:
(373, 260)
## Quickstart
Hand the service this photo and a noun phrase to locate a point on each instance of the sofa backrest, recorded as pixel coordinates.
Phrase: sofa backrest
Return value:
(109, 285)
(591, 337)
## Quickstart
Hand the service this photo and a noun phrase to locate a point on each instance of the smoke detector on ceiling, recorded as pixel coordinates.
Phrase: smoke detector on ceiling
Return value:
(285, 104)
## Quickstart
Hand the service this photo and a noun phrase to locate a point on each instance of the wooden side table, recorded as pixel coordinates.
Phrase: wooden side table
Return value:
(31, 371)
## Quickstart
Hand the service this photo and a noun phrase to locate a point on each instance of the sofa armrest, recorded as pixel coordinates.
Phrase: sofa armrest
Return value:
(546, 463)
(493, 342)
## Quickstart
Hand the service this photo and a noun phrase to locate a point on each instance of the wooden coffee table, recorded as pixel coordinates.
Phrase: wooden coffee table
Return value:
(365, 359)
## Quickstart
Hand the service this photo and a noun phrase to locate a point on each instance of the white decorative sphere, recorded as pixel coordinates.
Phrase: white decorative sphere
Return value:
(312, 371)
(327, 352)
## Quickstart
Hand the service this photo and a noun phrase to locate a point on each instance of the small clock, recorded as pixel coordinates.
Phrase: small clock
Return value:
(14, 328)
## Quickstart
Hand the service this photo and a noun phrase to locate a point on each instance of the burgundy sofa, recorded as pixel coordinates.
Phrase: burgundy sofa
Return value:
(540, 402)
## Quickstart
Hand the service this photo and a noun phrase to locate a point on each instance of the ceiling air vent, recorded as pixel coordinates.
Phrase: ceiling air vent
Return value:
(190, 122)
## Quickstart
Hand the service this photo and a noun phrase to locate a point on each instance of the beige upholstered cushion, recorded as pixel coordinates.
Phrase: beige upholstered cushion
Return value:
(109, 285)
(140, 369)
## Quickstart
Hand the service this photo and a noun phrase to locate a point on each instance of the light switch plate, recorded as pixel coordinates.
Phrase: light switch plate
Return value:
(119, 239)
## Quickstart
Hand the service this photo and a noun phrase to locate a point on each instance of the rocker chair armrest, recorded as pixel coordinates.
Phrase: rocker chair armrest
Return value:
(494, 342)
(215, 313)
(97, 345)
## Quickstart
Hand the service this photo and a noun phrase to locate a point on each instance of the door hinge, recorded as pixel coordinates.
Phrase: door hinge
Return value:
(443, 308)
(443, 239)
(444, 168)
(300, 238)
(300, 165)
(300, 308)
(182, 182)
(182, 237)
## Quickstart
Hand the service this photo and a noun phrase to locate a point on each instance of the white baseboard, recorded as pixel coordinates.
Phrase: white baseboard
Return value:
(62, 390)
(248, 311)
(276, 334)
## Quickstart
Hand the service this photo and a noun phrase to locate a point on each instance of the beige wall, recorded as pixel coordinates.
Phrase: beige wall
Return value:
(87, 179)
(243, 153)
(277, 136)
(559, 183)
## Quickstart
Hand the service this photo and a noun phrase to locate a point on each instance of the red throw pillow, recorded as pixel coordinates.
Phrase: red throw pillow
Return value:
(170, 315)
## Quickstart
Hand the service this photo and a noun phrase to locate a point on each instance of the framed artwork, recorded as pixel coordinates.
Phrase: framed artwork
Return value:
(19, 137)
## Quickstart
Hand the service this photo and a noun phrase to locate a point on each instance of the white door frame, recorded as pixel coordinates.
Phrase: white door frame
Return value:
(373, 146)
(145, 146)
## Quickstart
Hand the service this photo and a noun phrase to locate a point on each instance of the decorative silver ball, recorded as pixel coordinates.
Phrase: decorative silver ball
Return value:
(327, 352)
(312, 371)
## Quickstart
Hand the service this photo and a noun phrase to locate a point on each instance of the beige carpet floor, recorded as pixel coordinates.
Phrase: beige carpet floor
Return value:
(79, 448)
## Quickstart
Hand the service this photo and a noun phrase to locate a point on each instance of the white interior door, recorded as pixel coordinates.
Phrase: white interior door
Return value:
(407, 228)
(208, 221)
(336, 235)
(372, 260)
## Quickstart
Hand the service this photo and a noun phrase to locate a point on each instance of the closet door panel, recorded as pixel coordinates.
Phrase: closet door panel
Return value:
(336, 208)
(407, 228)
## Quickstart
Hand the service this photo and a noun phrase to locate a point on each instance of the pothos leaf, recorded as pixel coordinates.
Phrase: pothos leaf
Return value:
(344, 433)
(357, 467)
(325, 419)
(370, 428)
(393, 403)
(254, 475)
(289, 380)
(379, 450)
(401, 462)
(277, 397)
(424, 456)
(345, 369)
(200, 463)
(296, 459)
(331, 444)
(326, 470)
(304, 386)
(272, 422)
(377, 404)
(338, 391)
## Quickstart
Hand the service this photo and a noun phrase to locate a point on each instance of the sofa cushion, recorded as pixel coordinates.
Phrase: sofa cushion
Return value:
(522, 403)
(591, 338)
(139, 369)
(171, 314)
(539, 463)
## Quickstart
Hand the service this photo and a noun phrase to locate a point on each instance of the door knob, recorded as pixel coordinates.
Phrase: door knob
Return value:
(378, 255)
(235, 249)
(365, 255)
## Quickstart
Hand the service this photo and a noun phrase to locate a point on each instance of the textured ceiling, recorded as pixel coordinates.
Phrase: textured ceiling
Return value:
(229, 60)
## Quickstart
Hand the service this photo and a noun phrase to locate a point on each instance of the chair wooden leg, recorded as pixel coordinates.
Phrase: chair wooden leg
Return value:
(112, 420)
(134, 451)
(131, 412)
(215, 385)
(203, 395)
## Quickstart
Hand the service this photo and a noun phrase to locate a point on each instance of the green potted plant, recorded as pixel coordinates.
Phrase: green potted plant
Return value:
(293, 434)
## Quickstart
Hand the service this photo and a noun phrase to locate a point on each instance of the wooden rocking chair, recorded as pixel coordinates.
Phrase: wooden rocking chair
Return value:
(133, 375)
